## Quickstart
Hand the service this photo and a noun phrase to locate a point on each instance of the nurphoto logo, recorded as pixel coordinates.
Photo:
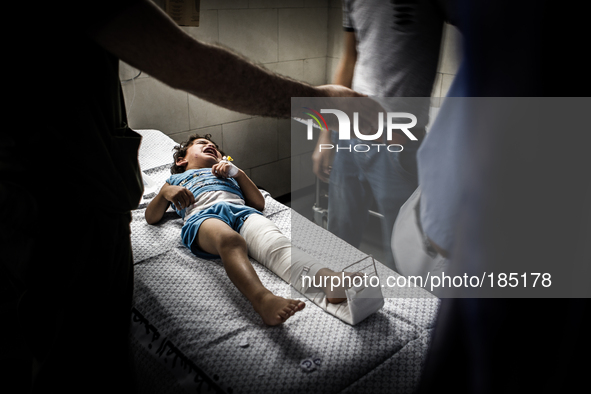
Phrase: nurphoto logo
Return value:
(344, 132)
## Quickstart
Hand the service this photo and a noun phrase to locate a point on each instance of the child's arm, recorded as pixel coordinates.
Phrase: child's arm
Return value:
(252, 194)
(180, 196)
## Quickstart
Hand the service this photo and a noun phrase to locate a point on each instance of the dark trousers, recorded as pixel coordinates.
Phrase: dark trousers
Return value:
(73, 317)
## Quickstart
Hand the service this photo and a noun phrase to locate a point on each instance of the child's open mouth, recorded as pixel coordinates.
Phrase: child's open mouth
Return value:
(211, 151)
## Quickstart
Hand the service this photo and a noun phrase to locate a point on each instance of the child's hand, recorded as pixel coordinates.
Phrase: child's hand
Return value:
(179, 196)
(224, 169)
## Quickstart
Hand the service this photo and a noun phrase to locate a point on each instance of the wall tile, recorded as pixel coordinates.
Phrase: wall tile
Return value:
(315, 71)
(299, 142)
(222, 4)
(452, 50)
(302, 33)
(302, 174)
(251, 142)
(307, 176)
(295, 180)
(251, 32)
(335, 32)
(153, 105)
(283, 138)
(290, 3)
(215, 131)
(263, 3)
(273, 177)
(208, 29)
(203, 113)
(316, 3)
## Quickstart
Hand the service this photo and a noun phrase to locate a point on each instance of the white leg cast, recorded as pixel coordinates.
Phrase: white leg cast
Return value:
(270, 247)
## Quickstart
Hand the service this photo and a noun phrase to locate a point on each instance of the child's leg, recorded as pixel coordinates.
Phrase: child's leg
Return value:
(274, 250)
(216, 237)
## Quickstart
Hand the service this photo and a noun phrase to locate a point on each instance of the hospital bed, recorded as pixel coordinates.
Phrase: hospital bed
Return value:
(192, 331)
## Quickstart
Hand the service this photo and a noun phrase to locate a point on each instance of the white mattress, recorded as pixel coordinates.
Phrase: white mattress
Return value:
(192, 329)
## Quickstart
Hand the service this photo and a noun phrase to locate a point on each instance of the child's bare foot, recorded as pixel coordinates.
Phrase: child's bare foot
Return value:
(275, 310)
(335, 289)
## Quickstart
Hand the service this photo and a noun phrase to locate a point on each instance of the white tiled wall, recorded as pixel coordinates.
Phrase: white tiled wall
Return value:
(298, 38)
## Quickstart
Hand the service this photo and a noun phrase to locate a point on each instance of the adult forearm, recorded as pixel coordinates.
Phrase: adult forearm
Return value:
(233, 82)
(346, 68)
(146, 38)
(344, 74)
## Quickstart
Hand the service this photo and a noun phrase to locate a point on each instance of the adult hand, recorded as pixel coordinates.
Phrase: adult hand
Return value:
(349, 105)
(332, 90)
(322, 158)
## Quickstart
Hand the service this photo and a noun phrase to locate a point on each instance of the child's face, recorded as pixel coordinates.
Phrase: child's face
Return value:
(201, 154)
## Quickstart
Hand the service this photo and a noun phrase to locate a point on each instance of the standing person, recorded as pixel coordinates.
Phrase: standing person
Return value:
(506, 185)
(68, 185)
(391, 49)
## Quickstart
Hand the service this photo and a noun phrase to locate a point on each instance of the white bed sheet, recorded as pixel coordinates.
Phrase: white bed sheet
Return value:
(192, 329)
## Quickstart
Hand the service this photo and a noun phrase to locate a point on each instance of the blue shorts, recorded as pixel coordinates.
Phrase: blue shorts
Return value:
(232, 214)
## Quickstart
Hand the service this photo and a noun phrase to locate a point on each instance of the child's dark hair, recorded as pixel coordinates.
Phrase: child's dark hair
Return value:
(181, 150)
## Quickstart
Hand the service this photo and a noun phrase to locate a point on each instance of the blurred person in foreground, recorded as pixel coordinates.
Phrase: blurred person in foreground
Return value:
(68, 185)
